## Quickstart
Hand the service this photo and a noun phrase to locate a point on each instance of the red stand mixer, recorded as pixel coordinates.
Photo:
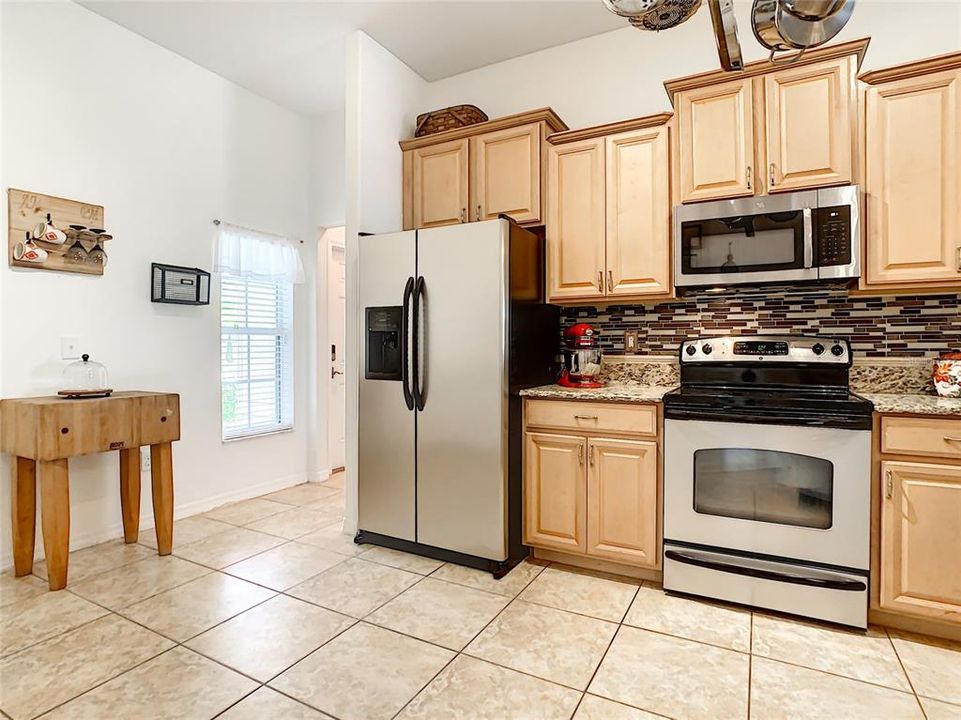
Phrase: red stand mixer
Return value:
(582, 358)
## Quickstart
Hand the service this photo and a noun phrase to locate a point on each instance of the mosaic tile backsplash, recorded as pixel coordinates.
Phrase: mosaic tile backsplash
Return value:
(883, 326)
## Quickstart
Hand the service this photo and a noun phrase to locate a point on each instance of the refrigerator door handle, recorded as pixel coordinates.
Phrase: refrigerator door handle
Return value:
(405, 345)
(419, 361)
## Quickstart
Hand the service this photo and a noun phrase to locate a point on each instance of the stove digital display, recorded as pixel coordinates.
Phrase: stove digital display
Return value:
(757, 347)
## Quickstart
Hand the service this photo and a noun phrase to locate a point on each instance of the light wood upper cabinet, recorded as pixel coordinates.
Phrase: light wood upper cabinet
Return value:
(575, 221)
(507, 176)
(810, 125)
(913, 180)
(439, 182)
(716, 141)
(555, 493)
(479, 172)
(622, 501)
(920, 538)
(638, 213)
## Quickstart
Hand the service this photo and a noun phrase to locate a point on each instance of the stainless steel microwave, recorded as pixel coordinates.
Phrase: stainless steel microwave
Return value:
(794, 237)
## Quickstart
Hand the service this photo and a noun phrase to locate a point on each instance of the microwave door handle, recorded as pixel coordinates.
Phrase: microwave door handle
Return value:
(697, 560)
(808, 226)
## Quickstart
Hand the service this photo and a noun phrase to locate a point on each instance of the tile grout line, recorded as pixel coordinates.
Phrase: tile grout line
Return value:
(600, 662)
(907, 675)
(750, 661)
(461, 652)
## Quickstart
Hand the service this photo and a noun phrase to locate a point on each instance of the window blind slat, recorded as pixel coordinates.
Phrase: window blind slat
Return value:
(256, 356)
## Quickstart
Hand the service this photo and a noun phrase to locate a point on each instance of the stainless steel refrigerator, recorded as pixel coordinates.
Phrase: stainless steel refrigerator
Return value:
(453, 325)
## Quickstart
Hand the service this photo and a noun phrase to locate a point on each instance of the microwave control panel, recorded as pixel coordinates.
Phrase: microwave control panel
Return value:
(832, 230)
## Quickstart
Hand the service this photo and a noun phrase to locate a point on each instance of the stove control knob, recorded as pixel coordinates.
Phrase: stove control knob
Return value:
(837, 350)
(706, 349)
(691, 350)
(818, 348)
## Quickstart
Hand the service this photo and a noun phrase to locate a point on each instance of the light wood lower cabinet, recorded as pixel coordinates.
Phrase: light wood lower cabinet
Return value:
(554, 492)
(921, 539)
(621, 497)
(587, 494)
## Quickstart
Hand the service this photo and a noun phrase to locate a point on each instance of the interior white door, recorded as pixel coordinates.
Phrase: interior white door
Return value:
(336, 323)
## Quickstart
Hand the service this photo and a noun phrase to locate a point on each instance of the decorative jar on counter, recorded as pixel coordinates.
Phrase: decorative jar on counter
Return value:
(947, 374)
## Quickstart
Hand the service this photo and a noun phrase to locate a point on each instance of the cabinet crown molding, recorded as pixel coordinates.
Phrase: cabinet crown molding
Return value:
(546, 115)
(938, 63)
(762, 67)
(596, 131)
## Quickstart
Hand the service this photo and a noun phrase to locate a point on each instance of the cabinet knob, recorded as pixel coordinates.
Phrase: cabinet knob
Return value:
(747, 177)
(463, 215)
(479, 214)
(773, 168)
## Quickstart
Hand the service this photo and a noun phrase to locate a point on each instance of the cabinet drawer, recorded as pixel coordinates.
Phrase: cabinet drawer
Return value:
(593, 417)
(159, 419)
(934, 437)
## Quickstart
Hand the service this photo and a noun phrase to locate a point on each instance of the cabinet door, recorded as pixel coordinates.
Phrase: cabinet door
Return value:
(810, 125)
(439, 178)
(638, 213)
(575, 220)
(622, 501)
(913, 180)
(555, 494)
(716, 141)
(920, 539)
(507, 174)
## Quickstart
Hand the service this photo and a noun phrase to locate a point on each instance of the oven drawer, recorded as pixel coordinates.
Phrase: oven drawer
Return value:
(926, 437)
(593, 417)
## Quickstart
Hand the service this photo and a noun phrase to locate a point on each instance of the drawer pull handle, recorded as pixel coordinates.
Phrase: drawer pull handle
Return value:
(950, 438)
(580, 454)
(888, 484)
(585, 417)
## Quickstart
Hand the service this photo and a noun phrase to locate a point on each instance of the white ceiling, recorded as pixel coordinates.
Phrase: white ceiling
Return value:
(294, 52)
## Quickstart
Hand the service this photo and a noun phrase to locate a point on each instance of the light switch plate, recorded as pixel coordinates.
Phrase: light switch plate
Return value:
(69, 347)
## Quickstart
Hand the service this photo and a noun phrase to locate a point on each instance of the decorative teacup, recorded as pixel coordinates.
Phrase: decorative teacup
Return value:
(26, 251)
(47, 232)
(947, 374)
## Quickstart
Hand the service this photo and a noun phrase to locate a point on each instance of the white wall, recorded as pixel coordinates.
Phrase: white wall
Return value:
(383, 98)
(102, 115)
(620, 74)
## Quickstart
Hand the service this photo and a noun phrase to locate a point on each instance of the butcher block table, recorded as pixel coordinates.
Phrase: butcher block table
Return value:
(44, 432)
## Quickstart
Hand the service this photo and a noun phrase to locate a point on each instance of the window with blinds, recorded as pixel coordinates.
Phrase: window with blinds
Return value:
(256, 356)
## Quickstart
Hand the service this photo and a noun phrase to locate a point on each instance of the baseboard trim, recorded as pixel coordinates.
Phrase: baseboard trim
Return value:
(319, 475)
(596, 564)
(115, 530)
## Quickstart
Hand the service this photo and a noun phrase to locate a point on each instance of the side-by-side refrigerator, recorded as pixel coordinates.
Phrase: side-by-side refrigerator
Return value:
(453, 325)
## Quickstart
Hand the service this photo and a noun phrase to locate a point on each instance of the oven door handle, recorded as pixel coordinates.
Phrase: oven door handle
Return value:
(826, 583)
(808, 225)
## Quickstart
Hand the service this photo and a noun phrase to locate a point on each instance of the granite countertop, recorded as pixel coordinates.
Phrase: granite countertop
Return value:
(913, 403)
(616, 391)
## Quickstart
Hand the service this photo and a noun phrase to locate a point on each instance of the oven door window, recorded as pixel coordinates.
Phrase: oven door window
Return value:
(764, 485)
(752, 243)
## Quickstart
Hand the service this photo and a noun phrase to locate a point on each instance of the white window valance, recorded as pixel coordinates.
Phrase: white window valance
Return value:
(254, 255)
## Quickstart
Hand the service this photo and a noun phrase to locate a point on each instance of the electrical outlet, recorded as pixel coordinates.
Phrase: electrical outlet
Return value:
(69, 347)
(145, 459)
(630, 342)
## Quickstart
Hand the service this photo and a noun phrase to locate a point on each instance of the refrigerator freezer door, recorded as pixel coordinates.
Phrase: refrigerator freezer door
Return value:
(386, 460)
(462, 430)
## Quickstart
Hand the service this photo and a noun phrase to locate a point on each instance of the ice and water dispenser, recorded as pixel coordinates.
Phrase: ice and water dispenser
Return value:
(384, 328)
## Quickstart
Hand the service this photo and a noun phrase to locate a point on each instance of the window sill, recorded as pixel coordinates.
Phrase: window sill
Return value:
(254, 435)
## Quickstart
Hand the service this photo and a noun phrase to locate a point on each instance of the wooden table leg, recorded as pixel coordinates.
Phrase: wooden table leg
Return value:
(23, 502)
(130, 493)
(162, 487)
(55, 519)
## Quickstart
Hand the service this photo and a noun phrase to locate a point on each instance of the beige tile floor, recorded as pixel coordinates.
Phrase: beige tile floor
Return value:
(266, 610)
